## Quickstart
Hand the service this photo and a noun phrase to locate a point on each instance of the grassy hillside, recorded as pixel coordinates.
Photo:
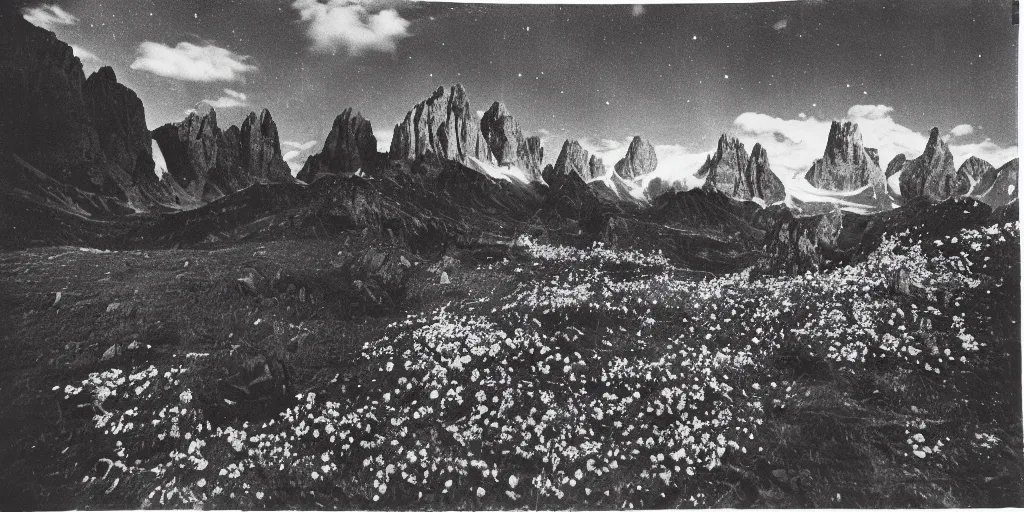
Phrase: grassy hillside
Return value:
(328, 374)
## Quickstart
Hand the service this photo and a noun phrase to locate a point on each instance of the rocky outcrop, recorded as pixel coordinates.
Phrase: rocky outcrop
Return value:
(846, 163)
(998, 187)
(723, 171)
(640, 159)
(507, 144)
(120, 121)
(502, 133)
(731, 171)
(596, 166)
(572, 159)
(261, 149)
(531, 157)
(350, 147)
(209, 163)
(895, 165)
(758, 180)
(89, 134)
(932, 175)
(974, 172)
(442, 126)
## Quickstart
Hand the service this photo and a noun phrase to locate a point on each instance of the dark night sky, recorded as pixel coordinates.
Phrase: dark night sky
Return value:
(676, 74)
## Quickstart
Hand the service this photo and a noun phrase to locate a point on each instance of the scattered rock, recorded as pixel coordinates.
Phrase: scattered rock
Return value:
(445, 279)
(110, 353)
(113, 306)
(248, 283)
(56, 299)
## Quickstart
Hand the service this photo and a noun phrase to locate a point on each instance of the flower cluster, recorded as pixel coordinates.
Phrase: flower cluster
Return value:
(596, 386)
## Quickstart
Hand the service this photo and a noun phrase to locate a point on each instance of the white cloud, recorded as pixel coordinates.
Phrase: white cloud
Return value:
(85, 55)
(291, 155)
(608, 150)
(348, 24)
(384, 137)
(638, 10)
(961, 129)
(229, 100)
(192, 63)
(677, 165)
(781, 24)
(48, 16)
(985, 150)
(872, 112)
(301, 146)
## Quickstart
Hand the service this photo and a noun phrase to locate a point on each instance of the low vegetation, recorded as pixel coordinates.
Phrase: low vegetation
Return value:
(597, 378)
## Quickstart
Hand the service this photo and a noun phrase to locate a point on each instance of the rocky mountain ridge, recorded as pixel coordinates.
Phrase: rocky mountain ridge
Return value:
(209, 163)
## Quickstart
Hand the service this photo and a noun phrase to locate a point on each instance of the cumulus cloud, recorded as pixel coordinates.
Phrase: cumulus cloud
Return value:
(192, 63)
(781, 24)
(985, 150)
(608, 150)
(349, 25)
(48, 16)
(230, 99)
(794, 144)
(961, 130)
(872, 112)
(638, 10)
(678, 165)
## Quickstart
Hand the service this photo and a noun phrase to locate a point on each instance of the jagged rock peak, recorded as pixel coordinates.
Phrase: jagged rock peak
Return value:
(442, 126)
(932, 175)
(640, 159)
(350, 147)
(974, 173)
(596, 166)
(209, 163)
(531, 157)
(723, 171)
(261, 149)
(758, 179)
(998, 187)
(572, 158)
(846, 164)
(502, 133)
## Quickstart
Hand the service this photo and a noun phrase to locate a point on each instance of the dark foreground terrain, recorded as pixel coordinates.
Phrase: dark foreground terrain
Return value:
(347, 371)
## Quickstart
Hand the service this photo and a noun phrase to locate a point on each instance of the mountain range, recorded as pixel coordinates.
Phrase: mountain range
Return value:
(76, 166)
